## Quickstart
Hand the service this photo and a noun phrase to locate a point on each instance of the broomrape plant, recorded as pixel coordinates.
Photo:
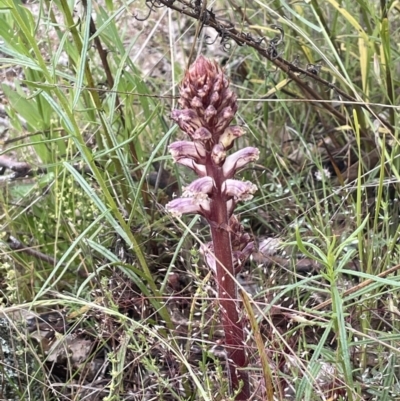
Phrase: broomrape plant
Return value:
(208, 106)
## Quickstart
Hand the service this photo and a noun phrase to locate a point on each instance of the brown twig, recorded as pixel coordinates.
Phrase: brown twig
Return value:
(359, 286)
(17, 245)
(21, 169)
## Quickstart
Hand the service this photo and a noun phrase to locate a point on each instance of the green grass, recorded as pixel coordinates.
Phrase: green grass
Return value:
(131, 279)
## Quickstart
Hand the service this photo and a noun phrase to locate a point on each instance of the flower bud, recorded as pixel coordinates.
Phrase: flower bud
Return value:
(201, 134)
(210, 113)
(230, 134)
(214, 98)
(225, 117)
(196, 102)
(205, 91)
(218, 154)
(187, 120)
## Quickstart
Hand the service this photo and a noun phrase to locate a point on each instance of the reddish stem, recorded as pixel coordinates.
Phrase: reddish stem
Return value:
(227, 291)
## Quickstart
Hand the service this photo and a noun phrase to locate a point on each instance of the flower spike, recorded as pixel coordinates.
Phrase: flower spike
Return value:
(208, 106)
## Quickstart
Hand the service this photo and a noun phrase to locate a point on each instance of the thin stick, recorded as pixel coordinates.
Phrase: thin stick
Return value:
(359, 286)
(17, 245)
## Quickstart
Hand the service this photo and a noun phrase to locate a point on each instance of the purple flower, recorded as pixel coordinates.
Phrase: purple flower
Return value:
(239, 190)
(181, 206)
(200, 187)
(186, 149)
(239, 159)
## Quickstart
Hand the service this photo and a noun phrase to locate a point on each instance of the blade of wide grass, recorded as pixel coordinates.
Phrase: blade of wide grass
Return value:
(82, 66)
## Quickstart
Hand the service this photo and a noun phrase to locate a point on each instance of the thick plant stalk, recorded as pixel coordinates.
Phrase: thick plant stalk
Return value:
(208, 107)
(233, 328)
